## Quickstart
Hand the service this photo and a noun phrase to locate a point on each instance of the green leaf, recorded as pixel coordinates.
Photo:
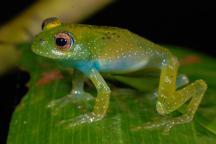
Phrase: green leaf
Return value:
(130, 106)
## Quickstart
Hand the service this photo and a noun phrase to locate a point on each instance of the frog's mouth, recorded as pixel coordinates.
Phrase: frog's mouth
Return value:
(39, 47)
(47, 52)
(37, 50)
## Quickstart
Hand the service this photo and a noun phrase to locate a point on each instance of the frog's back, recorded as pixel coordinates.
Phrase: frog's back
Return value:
(118, 49)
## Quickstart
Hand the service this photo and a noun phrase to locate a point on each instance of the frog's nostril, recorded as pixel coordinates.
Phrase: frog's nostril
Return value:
(41, 40)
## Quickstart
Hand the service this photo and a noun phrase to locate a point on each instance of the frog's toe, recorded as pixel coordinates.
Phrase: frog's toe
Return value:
(82, 119)
(57, 105)
(80, 99)
(165, 123)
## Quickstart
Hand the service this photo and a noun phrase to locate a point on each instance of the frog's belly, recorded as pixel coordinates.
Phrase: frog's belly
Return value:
(122, 65)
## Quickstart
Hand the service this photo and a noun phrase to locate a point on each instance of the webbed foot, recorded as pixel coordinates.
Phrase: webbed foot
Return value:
(80, 99)
(82, 119)
(166, 124)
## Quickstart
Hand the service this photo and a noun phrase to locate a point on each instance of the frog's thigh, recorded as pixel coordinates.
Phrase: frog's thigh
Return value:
(168, 98)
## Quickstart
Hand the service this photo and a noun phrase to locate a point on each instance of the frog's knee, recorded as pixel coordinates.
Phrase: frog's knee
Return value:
(202, 86)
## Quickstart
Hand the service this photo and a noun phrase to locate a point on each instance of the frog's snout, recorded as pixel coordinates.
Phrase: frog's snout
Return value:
(37, 45)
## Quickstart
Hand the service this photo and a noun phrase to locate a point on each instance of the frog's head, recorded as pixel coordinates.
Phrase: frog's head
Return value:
(57, 41)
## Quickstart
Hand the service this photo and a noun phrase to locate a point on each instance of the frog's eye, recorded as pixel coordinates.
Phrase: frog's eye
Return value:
(50, 23)
(63, 41)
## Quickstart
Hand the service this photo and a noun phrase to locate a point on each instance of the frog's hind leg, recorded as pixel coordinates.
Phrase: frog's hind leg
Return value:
(77, 95)
(170, 100)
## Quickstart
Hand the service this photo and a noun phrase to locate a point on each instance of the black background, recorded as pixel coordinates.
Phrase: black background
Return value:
(181, 23)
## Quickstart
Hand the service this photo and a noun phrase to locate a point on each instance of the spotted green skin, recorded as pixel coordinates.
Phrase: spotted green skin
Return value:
(115, 50)
(108, 49)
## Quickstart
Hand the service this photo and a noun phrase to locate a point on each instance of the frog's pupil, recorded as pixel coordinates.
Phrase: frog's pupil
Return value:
(61, 41)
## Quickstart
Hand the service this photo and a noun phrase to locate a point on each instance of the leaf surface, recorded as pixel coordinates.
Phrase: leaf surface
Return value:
(130, 106)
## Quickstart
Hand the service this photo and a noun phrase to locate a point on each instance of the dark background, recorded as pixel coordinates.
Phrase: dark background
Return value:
(182, 23)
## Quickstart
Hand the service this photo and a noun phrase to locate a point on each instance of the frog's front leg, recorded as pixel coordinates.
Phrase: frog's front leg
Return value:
(101, 102)
(76, 96)
(170, 100)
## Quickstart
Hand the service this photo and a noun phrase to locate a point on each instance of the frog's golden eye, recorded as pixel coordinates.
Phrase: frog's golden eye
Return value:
(63, 41)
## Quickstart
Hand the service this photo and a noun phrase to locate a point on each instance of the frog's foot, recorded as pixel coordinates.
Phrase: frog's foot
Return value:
(82, 119)
(80, 99)
(165, 123)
